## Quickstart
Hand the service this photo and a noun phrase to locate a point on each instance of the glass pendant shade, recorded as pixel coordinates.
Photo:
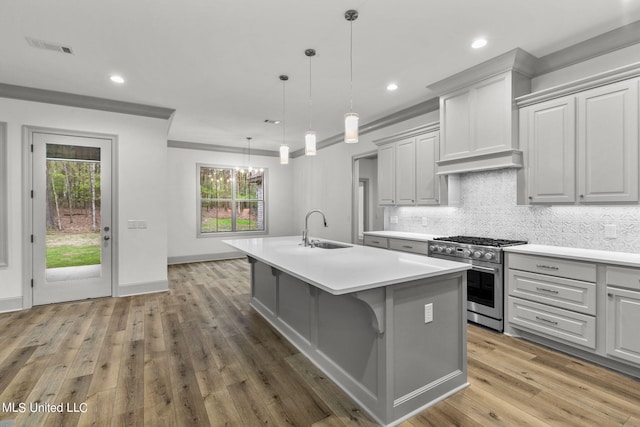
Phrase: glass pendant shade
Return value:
(284, 154)
(310, 143)
(351, 128)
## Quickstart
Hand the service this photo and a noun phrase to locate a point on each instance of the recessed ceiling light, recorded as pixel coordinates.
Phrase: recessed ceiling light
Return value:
(478, 43)
(391, 87)
(117, 78)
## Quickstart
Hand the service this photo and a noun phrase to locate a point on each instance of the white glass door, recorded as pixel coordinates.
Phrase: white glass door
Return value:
(71, 218)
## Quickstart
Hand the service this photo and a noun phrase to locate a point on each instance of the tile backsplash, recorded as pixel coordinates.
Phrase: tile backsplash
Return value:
(488, 208)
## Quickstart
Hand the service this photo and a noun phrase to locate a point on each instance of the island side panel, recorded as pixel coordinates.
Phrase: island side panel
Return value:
(428, 358)
(295, 305)
(264, 286)
(346, 337)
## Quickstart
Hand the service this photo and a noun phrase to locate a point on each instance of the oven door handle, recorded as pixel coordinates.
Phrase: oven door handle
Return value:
(487, 269)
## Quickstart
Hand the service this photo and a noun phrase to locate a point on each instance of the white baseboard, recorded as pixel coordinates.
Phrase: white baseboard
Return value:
(204, 257)
(10, 304)
(143, 288)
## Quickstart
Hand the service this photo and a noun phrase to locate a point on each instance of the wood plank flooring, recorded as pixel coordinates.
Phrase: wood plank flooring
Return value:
(199, 356)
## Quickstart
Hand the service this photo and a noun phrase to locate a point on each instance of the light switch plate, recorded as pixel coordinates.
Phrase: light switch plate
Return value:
(393, 219)
(428, 313)
(424, 221)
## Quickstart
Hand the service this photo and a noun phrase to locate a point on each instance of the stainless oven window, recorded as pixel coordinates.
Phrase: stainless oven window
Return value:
(481, 287)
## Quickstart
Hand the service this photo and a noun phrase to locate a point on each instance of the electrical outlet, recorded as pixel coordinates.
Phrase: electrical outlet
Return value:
(610, 231)
(393, 219)
(428, 313)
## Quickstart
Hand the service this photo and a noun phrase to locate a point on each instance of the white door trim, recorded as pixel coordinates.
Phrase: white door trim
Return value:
(27, 205)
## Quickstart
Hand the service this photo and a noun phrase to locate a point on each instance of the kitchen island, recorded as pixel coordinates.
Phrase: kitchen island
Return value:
(388, 327)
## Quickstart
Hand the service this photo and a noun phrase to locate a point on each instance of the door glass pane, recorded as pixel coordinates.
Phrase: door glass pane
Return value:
(73, 240)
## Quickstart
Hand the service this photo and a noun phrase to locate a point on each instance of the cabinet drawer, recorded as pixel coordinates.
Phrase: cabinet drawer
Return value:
(379, 242)
(408, 246)
(556, 291)
(623, 277)
(554, 323)
(554, 267)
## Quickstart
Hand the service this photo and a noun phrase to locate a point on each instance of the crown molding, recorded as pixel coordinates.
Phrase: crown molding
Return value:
(220, 148)
(82, 101)
(599, 45)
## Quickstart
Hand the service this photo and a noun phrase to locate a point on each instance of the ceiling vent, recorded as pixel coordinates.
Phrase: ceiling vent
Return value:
(41, 44)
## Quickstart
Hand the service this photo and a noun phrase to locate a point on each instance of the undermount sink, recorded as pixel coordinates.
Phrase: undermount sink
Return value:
(328, 245)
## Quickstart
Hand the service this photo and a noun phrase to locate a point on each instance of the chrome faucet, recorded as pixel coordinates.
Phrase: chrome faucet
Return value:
(305, 233)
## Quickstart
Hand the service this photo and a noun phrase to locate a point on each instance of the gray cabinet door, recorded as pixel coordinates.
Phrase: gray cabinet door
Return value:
(549, 133)
(406, 172)
(623, 318)
(387, 175)
(427, 182)
(608, 143)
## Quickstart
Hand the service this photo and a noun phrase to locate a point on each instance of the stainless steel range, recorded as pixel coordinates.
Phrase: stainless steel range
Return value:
(485, 280)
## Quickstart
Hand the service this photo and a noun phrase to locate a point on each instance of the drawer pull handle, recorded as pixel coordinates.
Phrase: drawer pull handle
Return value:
(542, 319)
(407, 247)
(548, 267)
(375, 241)
(551, 291)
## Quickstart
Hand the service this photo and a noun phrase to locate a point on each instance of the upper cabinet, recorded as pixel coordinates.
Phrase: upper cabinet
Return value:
(581, 142)
(478, 116)
(407, 168)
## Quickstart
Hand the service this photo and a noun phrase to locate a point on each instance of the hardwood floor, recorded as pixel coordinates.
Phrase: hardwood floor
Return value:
(199, 356)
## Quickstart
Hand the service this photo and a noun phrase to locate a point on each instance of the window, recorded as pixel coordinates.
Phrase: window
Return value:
(231, 200)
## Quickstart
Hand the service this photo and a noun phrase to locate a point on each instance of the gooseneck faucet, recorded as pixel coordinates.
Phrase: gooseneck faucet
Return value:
(305, 233)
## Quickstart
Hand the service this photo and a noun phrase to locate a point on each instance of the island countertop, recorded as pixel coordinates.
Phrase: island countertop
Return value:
(344, 270)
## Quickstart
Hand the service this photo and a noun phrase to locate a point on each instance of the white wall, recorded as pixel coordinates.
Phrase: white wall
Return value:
(325, 181)
(184, 245)
(141, 160)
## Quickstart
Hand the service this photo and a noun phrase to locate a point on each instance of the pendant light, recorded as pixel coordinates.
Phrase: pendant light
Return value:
(310, 136)
(284, 148)
(351, 118)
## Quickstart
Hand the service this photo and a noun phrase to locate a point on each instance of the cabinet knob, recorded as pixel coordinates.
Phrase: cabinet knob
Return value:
(609, 294)
(582, 196)
(530, 198)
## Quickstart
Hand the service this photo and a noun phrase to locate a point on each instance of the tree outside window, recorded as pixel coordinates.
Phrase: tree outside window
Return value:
(231, 200)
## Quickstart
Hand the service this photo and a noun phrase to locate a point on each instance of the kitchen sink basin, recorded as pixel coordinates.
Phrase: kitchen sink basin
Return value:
(328, 245)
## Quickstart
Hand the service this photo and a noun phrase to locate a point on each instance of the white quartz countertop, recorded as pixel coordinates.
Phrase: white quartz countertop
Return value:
(592, 255)
(345, 270)
(402, 235)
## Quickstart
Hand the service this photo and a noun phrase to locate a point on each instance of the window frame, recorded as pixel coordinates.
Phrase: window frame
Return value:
(234, 201)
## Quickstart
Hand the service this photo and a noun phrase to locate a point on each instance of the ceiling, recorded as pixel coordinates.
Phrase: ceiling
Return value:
(217, 62)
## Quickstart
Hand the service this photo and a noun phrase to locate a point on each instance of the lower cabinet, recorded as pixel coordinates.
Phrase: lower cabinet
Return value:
(561, 303)
(623, 313)
(588, 309)
(395, 244)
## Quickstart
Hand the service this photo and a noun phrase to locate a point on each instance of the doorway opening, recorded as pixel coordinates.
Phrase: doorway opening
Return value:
(367, 215)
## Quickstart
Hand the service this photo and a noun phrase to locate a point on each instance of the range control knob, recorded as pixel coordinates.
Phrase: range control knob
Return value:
(440, 249)
(448, 250)
(489, 255)
(433, 248)
(467, 253)
(477, 254)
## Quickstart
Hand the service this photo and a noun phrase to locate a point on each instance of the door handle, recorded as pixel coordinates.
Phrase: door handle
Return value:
(107, 238)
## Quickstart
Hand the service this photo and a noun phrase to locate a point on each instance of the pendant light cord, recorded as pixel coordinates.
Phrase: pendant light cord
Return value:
(351, 66)
(310, 104)
(283, 113)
